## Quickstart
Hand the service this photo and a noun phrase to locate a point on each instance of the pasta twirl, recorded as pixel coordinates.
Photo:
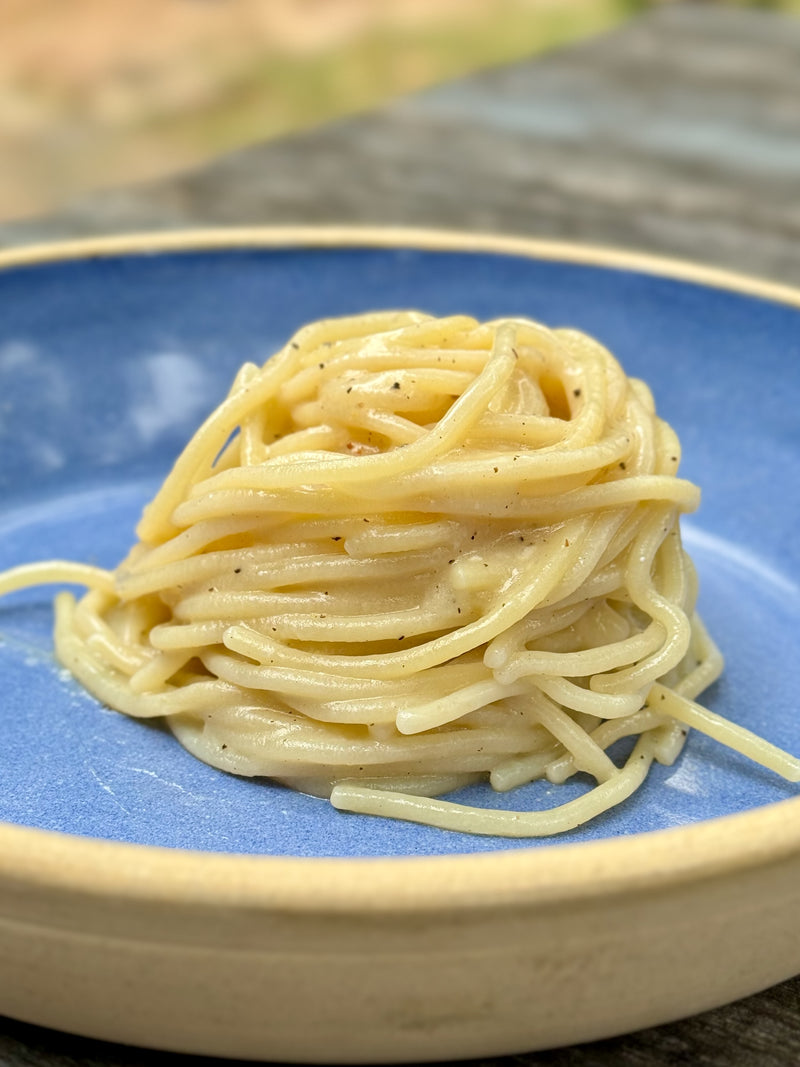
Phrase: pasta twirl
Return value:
(409, 553)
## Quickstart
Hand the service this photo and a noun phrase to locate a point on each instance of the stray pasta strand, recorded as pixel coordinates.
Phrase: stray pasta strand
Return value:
(408, 554)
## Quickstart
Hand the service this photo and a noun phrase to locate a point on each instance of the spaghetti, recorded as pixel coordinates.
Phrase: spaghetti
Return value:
(406, 554)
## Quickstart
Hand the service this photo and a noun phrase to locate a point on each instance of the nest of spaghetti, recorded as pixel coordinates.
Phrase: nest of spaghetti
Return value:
(408, 553)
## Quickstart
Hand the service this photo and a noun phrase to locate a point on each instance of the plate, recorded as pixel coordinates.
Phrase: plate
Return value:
(147, 898)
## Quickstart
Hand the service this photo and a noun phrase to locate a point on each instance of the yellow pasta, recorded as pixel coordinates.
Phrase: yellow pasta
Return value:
(407, 554)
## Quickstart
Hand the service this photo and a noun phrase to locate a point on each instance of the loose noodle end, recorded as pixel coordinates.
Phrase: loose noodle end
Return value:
(410, 553)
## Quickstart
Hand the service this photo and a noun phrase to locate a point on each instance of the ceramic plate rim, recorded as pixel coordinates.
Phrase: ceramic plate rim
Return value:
(634, 863)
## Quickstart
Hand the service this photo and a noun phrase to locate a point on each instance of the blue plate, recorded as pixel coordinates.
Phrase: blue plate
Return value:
(110, 355)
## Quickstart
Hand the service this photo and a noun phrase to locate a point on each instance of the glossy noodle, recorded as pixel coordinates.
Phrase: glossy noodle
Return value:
(411, 553)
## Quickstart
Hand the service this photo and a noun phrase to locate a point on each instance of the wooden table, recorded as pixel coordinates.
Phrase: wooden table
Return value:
(677, 134)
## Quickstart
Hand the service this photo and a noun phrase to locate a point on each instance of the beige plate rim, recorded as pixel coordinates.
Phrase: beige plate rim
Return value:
(473, 882)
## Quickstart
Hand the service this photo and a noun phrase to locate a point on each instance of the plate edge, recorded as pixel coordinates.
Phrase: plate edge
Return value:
(397, 237)
(584, 869)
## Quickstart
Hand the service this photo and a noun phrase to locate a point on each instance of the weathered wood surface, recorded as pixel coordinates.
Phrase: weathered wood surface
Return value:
(678, 134)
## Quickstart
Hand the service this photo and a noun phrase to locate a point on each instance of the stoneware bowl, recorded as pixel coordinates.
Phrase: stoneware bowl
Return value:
(148, 899)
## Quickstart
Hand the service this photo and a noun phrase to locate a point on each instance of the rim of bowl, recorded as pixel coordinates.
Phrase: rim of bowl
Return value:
(482, 881)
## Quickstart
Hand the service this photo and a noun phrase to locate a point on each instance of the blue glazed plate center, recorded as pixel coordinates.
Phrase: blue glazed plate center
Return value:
(106, 367)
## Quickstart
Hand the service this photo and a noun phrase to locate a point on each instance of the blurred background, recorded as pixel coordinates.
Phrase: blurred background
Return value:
(95, 93)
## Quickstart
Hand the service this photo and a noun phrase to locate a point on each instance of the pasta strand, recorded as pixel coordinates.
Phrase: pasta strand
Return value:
(410, 553)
